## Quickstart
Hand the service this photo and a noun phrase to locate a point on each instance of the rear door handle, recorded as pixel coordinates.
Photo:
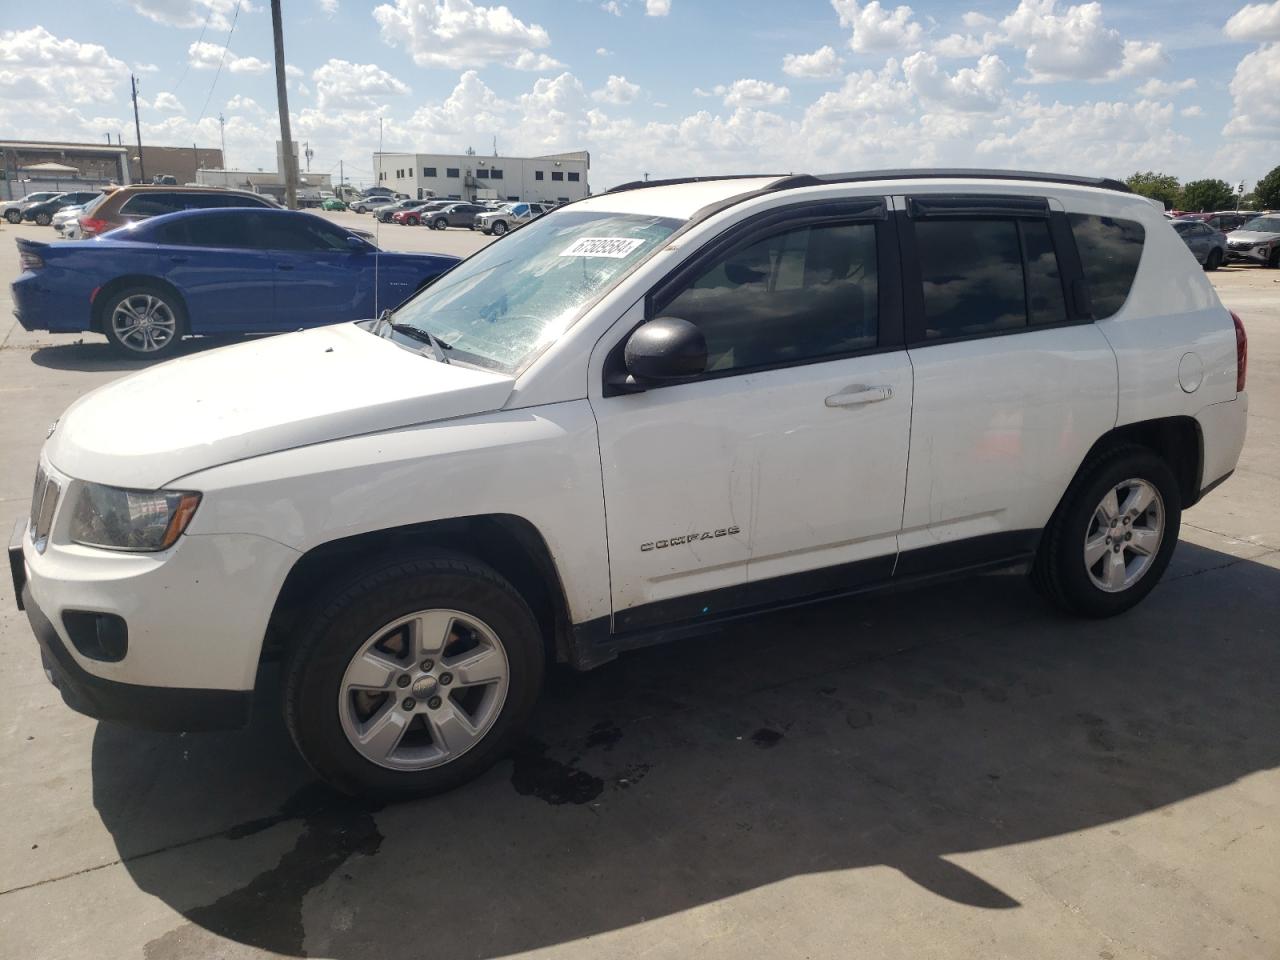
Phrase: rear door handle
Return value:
(859, 394)
(179, 259)
(283, 266)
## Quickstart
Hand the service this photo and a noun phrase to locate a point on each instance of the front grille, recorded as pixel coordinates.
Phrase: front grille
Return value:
(44, 501)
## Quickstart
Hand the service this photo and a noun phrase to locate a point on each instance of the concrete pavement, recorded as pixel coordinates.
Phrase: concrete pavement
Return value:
(956, 773)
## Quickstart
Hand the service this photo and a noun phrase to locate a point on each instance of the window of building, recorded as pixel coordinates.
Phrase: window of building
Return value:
(802, 294)
(573, 176)
(562, 199)
(1109, 252)
(482, 173)
(537, 174)
(557, 175)
(428, 171)
(513, 198)
(450, 171)
(495, 173)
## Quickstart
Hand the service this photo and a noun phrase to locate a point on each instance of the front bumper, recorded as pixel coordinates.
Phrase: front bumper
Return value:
(152, 708)
(1247, 255)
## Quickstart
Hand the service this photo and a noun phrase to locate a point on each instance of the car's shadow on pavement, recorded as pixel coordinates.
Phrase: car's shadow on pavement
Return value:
(895, 730)
(97, 355)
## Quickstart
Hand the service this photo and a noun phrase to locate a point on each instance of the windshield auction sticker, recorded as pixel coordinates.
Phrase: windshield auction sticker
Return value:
(614, 248)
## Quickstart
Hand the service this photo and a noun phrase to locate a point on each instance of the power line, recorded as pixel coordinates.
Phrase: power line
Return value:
(198, 42)
(221, 60)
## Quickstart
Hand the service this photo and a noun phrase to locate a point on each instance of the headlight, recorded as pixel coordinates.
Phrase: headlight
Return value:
(141, 520)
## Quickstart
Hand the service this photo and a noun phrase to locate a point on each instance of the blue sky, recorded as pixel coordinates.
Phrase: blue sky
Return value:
(672, 87)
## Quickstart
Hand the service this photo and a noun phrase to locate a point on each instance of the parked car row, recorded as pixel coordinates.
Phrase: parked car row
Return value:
(490, 217)
(1230, 237)
(40, 208)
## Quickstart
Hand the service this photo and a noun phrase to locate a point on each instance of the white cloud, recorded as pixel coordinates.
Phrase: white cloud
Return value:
(168, 102)
(206, 56)
(457, 33)
(528, 60)
(657, 8)
(603, 52)
(36, 65)
(977, 21)
(341, 85)
(754, 93)
(243, 104)
(876, 27)
(295, 72)
(1255, 109)
(1256, 22)
(145, 68)
(822, 64)
(190, 14)
(612, 6)
(618, 90)
(1166, 88)
(1192, 111)
(959, 45)
(330, 7)
(1074, 43)
(969, 89)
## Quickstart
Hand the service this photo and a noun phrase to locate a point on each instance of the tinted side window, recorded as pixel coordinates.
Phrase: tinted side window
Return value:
(799, 295)
(297, 233)
(972, 276)
(1046, 302)
(150, 204)
(1109, 251)
(215, 230)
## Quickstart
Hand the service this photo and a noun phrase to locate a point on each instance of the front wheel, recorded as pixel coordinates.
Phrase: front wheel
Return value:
(439, 224)
(499, 228)
(417, 677)
(13, 216)
(44, 219)
(144, 323)
(1214, 260)
(1112, 536)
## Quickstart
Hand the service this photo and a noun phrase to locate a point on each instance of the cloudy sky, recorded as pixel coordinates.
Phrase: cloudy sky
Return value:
(671, 87)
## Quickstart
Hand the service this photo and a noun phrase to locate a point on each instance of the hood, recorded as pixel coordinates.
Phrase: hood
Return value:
(1252, 236)
(250, 399)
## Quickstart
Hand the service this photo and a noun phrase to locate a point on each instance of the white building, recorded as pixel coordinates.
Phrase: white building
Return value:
(557, 177)
(267, 181)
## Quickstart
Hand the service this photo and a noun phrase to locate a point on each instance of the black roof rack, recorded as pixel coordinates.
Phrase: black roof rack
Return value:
(794, 181)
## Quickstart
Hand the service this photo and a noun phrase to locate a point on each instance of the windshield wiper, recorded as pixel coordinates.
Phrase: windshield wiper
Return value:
(438, 346)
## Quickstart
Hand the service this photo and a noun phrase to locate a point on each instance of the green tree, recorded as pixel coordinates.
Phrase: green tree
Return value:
(1205, 195)
(1157, 186)
(1267, 191)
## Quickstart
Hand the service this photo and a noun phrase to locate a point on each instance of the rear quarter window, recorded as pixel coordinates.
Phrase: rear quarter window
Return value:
(150, 204)
(1110, 249)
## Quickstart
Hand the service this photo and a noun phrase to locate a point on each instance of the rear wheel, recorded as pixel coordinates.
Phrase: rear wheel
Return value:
(44, 219)
(499, 228)
(13, 216)
(1113, 534)
(1214, 260)
(144, 323)
(1274, 261)
(417, 677)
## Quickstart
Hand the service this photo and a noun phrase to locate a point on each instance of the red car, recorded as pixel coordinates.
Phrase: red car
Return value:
(413, 216)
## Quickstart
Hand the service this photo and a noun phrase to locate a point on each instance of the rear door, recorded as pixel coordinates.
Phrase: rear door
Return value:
(1013, 380)
(227, 283)
(778, 474)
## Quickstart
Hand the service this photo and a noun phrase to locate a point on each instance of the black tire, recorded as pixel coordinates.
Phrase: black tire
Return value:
(360, 606)
(1059, 571)
(499, 227)
(43, 219)
(122, 346)
(1274, 261)
(1214, 260)
(13, 216)
(439, 224)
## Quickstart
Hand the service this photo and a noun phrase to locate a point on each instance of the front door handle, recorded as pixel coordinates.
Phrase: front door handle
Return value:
(178, 259)
(283, 266)
(859, 394)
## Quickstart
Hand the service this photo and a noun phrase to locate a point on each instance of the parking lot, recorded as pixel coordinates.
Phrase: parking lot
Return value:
(971, 776)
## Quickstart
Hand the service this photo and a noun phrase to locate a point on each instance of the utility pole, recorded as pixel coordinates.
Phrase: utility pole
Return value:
(282, 101)
(342, 182)
(308, 153)
(137, 127)
(222, 134)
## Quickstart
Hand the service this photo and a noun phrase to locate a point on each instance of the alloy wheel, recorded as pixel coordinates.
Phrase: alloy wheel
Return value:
(423, 690)
(144, 323)
(1124, 535)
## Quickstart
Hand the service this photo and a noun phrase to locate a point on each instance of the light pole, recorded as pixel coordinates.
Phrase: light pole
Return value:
(282, 101)
(137, 128)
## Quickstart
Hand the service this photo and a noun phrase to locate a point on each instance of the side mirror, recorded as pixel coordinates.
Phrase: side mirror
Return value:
(356, 244)
(667, 348)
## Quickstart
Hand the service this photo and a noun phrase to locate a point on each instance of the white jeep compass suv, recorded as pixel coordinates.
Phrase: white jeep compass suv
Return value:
(641, 415)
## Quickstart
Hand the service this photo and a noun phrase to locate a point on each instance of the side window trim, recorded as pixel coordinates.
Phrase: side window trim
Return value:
(1070, 272)
(760, 227)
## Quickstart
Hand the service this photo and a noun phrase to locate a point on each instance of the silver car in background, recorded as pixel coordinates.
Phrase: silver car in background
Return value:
(1258, 241)
(1207, 245)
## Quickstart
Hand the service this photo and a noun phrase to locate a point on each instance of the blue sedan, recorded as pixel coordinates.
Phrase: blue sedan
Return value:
(148, 284)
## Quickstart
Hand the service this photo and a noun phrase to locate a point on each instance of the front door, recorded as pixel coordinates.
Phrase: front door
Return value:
(779, 473)
(320, 278)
